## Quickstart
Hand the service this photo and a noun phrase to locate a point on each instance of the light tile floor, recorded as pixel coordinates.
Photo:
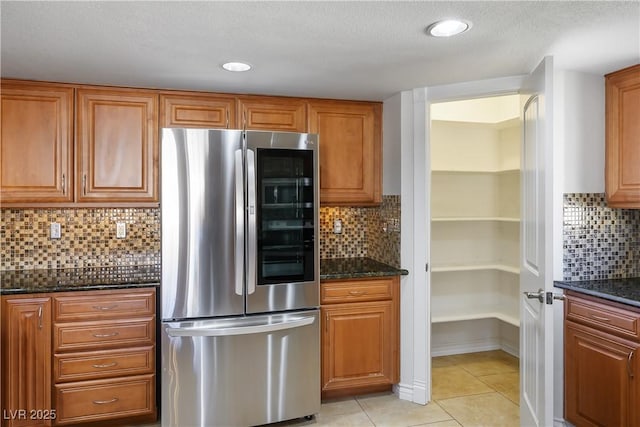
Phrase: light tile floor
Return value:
(469, 390)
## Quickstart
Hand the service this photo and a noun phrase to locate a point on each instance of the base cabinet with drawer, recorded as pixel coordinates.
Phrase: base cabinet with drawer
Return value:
(360, 335)
(602, 365)
(91, 357)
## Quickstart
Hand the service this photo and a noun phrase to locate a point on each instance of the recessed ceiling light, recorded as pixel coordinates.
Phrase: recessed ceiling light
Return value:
(448, 28)
(236, 66)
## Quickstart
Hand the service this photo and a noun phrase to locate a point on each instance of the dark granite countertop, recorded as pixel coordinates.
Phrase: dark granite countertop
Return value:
(79, 279)
(353, 268)
(626, 291)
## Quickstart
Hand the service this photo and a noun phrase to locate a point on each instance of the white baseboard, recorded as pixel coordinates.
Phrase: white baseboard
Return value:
(416, 393)
(469, 346)
(404, 391)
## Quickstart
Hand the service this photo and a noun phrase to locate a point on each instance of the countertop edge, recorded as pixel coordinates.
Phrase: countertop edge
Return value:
(97, 287)
(356, 275)
(595, 293)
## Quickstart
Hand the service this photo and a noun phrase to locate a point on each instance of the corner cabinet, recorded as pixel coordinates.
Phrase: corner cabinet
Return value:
(622, 170)
(26, 361)
(602, 364)
(37, 129)
(360, 335)
(117, 144)
(350, 151)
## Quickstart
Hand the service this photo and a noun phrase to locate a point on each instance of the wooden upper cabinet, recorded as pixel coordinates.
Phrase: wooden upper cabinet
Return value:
(622, 90)
(36, 143)
(350, 151)
(117, 145)
(272, 113)
(194, 110)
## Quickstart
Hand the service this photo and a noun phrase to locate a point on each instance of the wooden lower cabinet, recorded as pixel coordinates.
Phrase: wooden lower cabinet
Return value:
(26, 361)
(360, 336)
(78, 358)
(602, 368)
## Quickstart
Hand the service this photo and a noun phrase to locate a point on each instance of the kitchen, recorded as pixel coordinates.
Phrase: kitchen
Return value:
(89, 235)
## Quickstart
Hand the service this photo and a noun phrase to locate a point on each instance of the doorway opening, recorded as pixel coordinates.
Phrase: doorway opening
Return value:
(475, 247)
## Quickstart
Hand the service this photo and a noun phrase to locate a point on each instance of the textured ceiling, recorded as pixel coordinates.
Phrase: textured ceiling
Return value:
(352, 50)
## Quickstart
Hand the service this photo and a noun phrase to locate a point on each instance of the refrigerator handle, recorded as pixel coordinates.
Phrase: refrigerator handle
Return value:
(251, 227)
(239, 231)
(239, 329)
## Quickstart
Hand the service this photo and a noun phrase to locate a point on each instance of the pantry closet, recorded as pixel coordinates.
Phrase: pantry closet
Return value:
(475, 225)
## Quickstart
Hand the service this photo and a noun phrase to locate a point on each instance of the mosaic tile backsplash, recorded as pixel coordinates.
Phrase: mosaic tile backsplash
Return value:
(599, 242)
(372, 232)
(89, 240)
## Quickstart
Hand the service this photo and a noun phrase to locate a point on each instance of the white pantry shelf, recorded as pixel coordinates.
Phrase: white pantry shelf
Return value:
(477, 171)
(475, 267)
(476, 316)
(474, 219)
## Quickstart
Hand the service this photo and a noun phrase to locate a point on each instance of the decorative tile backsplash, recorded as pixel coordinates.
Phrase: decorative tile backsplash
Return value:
(599, 242)
(372, 232)
(89, 236)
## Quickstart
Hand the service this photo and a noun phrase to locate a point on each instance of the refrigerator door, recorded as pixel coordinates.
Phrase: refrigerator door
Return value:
(242, 371)
(282, 221)
(202, 213)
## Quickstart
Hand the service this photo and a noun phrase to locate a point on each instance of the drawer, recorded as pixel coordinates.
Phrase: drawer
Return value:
(356, 290)
(101, 400)
(103, 334)
(90, 305)
(103, 364)
(604, 316)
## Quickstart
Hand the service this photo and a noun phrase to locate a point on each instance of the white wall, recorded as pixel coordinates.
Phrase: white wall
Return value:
(391, 111)
(583, 131)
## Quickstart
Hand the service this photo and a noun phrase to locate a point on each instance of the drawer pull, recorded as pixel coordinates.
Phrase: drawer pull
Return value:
(629, 369)
(105, 307)
(105, 365)
(104, 402)
(357, 293)
(602, 319)
(113, 334)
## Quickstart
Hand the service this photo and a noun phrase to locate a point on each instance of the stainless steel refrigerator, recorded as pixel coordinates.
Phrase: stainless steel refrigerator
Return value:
(240, 277)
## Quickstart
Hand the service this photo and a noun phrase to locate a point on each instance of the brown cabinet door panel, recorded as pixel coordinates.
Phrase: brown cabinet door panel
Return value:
(272, 113)
(105, 399)
(103, 364)
(197, 111)
(103, 334)
(117, 142)
(623, 138)
(26, 360)
(600, 378)
(350, 151)
(358, 345)
(36, 144)
(103, 305)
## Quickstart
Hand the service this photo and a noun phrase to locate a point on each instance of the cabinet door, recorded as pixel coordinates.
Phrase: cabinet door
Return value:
(117, 142)
(26, 361)
(36, 143)
(601, 384)
(623, 138)
(357, 345)
(271, 113)
(197, 111)
(350, 151)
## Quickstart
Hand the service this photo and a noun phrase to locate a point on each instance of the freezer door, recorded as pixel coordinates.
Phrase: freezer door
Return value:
(241, 372)
(282, 221)
(202, 215)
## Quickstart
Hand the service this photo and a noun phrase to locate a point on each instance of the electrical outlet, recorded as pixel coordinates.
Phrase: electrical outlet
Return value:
(55, 231)
(337, 226)
(121, 230)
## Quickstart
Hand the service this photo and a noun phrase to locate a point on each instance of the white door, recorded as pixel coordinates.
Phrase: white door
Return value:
(536, 323)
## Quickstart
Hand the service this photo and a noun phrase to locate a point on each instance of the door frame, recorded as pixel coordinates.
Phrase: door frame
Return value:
(415, 348)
